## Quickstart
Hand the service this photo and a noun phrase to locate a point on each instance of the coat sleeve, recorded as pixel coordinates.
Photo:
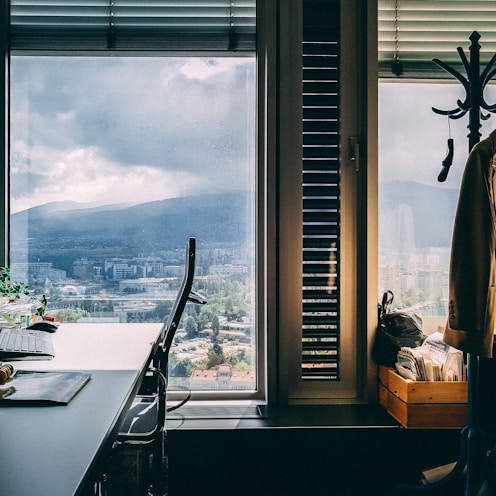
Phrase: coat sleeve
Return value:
(471, 285)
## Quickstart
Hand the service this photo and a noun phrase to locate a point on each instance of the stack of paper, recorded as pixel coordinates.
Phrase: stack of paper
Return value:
(433, 361)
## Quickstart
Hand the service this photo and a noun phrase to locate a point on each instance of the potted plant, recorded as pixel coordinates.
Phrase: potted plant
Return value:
(9, 289)
(11, 292)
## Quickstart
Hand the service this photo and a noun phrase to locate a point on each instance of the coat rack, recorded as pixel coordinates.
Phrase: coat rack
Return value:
(471, 456)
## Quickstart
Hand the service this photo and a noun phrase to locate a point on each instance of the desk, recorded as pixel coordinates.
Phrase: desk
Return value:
(50, 450)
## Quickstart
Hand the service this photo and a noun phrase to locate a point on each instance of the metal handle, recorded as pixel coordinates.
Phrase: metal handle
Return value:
(354, 151)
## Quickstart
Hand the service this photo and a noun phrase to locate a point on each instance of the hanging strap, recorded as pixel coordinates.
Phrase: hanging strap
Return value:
(387, 301)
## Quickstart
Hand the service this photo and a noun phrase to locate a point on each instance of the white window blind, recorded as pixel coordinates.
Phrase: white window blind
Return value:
(416, 31)
(196, 25)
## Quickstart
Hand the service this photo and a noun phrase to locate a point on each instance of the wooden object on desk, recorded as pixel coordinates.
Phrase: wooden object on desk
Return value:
(423, 404)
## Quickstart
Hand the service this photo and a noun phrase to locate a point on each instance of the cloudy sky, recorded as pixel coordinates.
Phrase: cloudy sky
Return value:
(413, 139)
(106, 130)
(111, 129)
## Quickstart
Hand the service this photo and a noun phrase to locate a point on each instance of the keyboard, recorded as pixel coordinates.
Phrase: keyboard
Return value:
(25, 344)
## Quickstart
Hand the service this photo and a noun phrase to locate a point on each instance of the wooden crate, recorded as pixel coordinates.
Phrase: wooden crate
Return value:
(419, 404)
(383, 385)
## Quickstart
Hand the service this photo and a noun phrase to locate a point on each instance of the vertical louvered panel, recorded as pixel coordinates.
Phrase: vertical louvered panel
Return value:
(320, 333)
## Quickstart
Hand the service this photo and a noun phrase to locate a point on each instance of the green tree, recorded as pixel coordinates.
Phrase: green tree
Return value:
(215, 329)
(215, 356)
(215, 324)
(183, 368)
(191, 328)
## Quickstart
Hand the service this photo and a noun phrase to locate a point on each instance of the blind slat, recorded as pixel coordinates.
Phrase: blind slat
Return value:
(199, 25)
(434, 29)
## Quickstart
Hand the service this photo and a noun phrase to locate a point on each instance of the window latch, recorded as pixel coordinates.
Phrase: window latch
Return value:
(354, 151)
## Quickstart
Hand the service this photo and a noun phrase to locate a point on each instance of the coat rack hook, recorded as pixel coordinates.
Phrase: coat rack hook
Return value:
(474, 85)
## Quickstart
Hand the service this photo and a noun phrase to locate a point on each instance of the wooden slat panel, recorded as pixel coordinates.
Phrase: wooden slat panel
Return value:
(321, 193)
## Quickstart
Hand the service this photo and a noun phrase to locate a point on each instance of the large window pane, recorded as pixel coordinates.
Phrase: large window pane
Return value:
(416, 211)
(114, 162)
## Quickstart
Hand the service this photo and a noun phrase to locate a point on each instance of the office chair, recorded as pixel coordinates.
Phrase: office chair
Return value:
(145, 420)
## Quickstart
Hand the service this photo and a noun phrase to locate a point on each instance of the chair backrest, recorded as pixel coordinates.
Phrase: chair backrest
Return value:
(170, 327)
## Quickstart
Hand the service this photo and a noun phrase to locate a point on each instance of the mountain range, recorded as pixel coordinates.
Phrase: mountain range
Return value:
(213, 219)
(217, 218)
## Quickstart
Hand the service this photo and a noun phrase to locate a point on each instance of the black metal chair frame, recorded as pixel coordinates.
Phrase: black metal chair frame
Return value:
(152, 400)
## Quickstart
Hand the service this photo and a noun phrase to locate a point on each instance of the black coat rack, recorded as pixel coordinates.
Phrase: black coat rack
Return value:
(470, 463)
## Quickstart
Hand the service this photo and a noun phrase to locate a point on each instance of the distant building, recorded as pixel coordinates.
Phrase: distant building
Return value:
(145, 284)
(228, 270)
(174, 270)
(222, 377)
(72, 290)
(149, 266)
(82, 268)
(123, 271)
(235, 330)
(39, 269)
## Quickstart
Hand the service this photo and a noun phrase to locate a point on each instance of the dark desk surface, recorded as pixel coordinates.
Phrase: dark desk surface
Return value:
(49, 450)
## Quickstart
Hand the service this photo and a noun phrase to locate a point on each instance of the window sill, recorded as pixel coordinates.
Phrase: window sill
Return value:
(297, 416)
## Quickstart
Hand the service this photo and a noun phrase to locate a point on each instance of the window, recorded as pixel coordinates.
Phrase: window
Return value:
(319, 222)
(116, 160)
(416, 211)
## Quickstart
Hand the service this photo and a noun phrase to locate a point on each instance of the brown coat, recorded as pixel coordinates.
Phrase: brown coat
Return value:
(471, 320)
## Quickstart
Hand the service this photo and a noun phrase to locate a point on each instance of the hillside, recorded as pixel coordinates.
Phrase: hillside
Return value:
(164, 224)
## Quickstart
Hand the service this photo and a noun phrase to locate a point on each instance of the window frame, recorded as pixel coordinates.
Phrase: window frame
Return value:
(260, 394)
(358, 308)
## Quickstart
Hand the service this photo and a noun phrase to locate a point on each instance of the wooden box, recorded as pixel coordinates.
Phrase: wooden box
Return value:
(419, 404)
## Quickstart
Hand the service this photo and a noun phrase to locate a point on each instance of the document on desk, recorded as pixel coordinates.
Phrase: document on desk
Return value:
(56, 388)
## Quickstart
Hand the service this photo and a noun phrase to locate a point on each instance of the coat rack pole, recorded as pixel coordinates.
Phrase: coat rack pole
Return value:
(469, 463)
(474, 100)
(474, 445)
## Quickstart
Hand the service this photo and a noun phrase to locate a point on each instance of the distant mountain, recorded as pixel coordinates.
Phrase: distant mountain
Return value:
(166, 223)
(216, 218)
(432, 211)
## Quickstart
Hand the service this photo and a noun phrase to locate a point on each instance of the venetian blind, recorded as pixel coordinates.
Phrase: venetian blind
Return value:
(320, 333)
(196, 25)
(418, 31)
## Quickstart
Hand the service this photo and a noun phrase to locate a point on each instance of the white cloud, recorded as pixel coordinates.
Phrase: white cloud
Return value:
(82, 175)
(203, 68)
(413, 139)
(131, 129)
(66, 116)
